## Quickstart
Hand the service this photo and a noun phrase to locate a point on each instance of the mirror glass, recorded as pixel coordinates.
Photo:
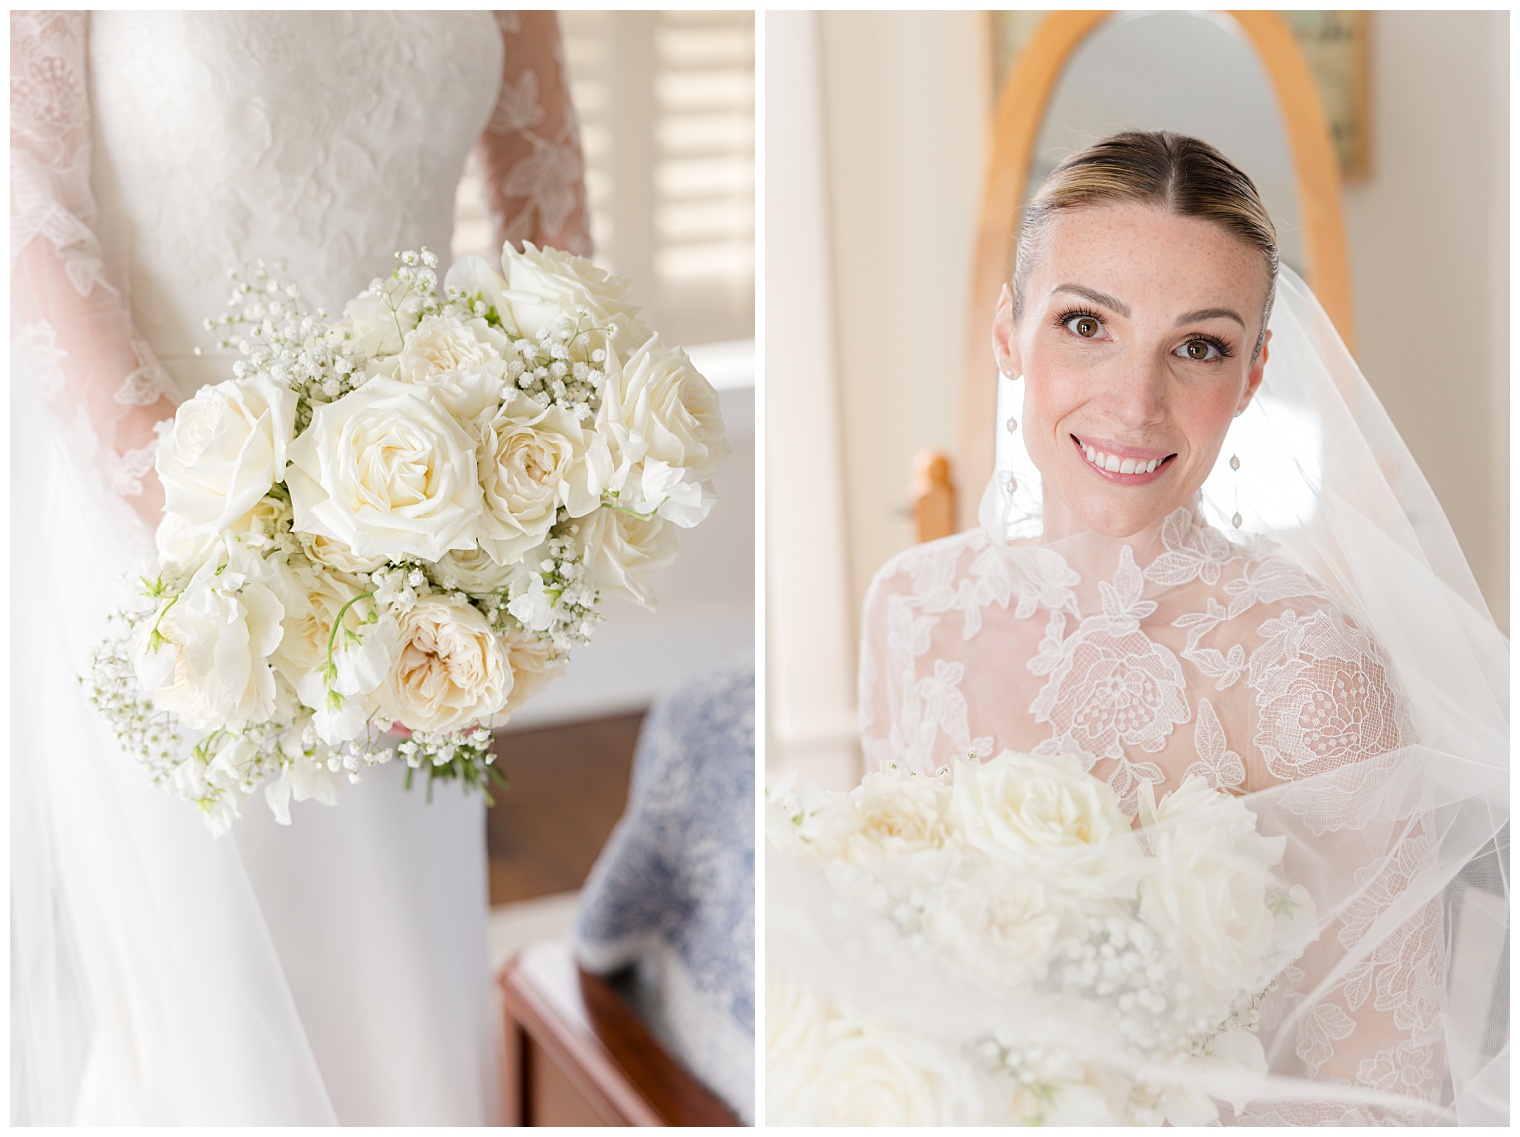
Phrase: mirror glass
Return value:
(1192, 72)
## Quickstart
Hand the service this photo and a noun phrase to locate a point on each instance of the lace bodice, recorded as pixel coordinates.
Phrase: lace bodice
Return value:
(153, 151)
(1179, 652)
(327, 140)
(1201, 656)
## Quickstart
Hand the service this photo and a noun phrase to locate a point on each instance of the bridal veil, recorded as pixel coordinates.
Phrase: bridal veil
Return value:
(1307, 636)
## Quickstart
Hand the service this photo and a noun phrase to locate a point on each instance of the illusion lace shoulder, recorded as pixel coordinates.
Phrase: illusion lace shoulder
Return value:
(1180, 653)
(151, 153)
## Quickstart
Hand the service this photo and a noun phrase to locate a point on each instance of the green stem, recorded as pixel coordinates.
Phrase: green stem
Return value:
(332, 636)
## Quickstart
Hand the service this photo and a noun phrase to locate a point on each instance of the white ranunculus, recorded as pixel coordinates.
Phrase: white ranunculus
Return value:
(544, 284)
(461, 362)
(534, 666)
(621, 551)
(531, 460)
(227, 447)
(451, 668)
(1209, 883)
(1047, 816)
(387, 471)
(204, 657)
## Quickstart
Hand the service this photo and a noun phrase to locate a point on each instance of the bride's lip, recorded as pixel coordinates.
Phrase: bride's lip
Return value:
(1102, 449)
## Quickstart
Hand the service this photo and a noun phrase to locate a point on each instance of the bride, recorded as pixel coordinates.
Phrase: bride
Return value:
(334, 970)
(1343, 678)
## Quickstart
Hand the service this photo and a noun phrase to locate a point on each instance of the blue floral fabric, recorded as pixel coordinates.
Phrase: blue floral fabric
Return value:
(672, 895)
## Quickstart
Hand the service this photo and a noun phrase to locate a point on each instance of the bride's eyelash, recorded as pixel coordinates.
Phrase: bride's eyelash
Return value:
(1225, 350)
(1071, 314)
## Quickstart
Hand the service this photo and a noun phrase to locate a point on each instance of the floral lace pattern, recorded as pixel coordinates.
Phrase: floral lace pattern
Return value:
(1201, 656)
(152, 151)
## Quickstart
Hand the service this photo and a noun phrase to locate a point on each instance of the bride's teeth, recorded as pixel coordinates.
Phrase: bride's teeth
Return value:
(1089, 451)
(1127, 466)
(1111, 464)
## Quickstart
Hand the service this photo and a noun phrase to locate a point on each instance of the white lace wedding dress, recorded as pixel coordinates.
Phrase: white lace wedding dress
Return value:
(335, 970)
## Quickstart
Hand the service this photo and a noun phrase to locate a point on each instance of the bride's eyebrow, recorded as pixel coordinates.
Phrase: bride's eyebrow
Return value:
(1095, 296)
(1210, 314)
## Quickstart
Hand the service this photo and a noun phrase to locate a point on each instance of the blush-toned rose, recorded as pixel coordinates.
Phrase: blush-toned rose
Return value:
(451, 669)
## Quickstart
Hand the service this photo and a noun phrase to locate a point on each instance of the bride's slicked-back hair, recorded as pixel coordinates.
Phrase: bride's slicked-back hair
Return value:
(1174, 172)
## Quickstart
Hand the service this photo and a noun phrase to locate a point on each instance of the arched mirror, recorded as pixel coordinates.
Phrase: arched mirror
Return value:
(1237, 80)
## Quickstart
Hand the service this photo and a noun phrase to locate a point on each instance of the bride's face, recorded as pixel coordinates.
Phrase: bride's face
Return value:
(1135, 344)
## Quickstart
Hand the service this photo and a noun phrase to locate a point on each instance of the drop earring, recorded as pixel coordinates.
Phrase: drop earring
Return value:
(1012, 424)
(1235, 482)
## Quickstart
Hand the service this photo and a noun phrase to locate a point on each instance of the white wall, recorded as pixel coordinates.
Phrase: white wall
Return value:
(1429, 244)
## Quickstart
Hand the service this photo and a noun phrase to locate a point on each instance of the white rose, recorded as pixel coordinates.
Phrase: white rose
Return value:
(534, 665)
(379, 320)
(530, 461)
(227, 447)
(665, 434)
(389, 472)
(621, 551)
(451, 669)
(461, 363)
(182, 549)
(867, 1071)
(334, 554)
(1000, 928)
(899, 827)
(204, 657)
(1047, 817)
(474, 571)
(1209, 882)
(544, 284)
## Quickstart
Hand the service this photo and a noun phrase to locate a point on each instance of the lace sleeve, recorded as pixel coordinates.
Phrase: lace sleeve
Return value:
(1367, 997)
(530, 153)
(71, 329)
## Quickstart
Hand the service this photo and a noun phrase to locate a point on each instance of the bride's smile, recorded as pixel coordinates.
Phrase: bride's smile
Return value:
(1136, 335)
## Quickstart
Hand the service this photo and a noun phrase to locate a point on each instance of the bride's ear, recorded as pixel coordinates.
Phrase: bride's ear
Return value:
(1005, 344)
(1253, 377)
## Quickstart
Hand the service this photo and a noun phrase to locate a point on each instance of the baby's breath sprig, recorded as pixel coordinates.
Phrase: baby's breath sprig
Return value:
(464, 755)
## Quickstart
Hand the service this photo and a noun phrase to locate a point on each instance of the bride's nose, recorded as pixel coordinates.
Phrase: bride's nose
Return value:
(1136, 395)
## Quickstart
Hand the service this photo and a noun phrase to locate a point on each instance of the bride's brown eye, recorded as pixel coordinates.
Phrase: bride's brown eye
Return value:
(1199, 349)
(1085, 326)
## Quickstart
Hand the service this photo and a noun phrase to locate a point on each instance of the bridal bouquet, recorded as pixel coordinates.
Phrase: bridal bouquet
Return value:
(1066, 968)
(406, 517)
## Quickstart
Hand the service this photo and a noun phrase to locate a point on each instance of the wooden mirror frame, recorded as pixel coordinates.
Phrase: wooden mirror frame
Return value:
(1021, 112)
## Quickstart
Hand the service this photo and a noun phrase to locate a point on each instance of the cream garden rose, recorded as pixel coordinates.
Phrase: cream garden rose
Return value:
(451, 669)
(227, 447)
(204, 657)
(388, 471)
(334, 554)
(532, 460)
(462, 362)
(534, 665)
